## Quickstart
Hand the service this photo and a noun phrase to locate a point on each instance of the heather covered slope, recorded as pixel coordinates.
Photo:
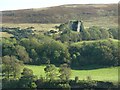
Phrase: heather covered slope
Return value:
(99, 14)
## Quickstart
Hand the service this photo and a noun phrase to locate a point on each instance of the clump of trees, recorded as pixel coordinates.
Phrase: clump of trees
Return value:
(95, 33)
(12, 48)
(63, 73)
(11, 67)
(114, 32)
(27, 79)
(51, 72)
(98, 53)
(37, 50)
(45, 50)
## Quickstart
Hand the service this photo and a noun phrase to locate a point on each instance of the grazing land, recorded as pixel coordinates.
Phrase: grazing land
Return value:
(5, 34)
(37, 26)
(102, 74)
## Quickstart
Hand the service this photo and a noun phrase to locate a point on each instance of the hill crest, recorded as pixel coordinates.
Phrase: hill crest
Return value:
(63, 13)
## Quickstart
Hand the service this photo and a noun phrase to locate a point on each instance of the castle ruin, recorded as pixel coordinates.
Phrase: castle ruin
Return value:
(75, 25)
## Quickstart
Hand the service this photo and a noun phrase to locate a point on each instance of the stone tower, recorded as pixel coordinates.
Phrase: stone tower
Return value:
(75, 25)
(78, 26)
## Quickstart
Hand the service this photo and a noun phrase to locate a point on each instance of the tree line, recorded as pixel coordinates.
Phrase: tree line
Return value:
(44, 50)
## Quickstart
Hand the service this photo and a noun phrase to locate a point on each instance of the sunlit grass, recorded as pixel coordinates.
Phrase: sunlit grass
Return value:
(37, 26)
(92, 41)
(102, 74)
(5, 34)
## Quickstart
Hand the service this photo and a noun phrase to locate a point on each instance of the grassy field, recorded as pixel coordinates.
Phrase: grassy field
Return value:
(37, 26)
(101, 40)
(103, 74)
(44, 27)
(5, 34)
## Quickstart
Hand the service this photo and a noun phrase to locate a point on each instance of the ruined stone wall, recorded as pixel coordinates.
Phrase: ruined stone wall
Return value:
(73, 25)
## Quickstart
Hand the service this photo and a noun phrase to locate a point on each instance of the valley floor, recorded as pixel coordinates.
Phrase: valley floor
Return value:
(102, 74)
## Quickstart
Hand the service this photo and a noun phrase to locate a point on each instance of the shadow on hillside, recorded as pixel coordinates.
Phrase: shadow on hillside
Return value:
(90, 67)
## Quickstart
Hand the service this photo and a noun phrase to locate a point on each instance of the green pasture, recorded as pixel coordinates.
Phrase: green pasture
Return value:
(102, 74)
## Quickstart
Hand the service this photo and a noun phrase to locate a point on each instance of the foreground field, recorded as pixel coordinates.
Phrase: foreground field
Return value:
(103, 74)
